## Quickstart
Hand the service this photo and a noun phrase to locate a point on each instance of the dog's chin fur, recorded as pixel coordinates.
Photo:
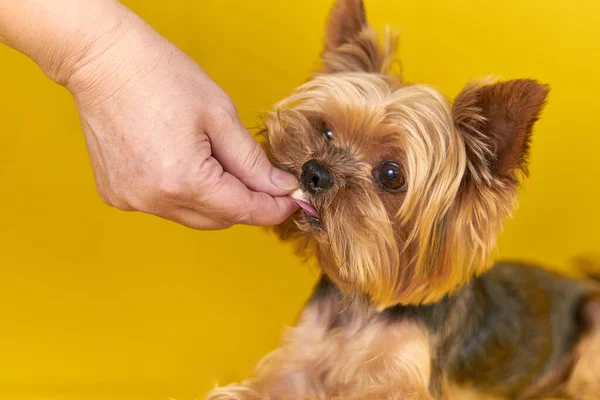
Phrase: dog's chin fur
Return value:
(460, 161)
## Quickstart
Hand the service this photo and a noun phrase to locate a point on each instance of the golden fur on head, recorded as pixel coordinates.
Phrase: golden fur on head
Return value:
(460, 163)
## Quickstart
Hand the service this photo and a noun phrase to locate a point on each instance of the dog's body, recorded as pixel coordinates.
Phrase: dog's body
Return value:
(516, 332)
(509, 334)
(403, 198)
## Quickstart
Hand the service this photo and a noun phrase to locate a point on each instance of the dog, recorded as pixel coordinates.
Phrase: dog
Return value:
(403, 195)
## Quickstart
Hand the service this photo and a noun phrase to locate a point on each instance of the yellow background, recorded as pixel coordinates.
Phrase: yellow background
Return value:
(97, 303)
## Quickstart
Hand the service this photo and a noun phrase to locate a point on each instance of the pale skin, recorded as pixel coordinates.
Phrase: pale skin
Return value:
(163, 138)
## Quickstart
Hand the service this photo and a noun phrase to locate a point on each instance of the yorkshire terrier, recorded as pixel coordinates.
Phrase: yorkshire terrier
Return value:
(403, 195)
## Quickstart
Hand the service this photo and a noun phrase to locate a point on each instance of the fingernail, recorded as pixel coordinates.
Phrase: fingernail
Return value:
(284, 180)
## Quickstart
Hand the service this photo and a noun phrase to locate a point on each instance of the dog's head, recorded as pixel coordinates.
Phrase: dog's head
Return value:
(405, 192)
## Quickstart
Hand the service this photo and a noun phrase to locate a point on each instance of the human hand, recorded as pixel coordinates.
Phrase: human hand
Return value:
(163, 138)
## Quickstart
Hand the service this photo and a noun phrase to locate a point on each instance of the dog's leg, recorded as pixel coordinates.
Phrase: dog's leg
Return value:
(294, 370)
(328, 357)
(584, 383)
(383, 361)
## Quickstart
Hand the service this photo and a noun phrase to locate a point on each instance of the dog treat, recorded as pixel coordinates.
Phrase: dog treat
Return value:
(301, 200)
(298, 194)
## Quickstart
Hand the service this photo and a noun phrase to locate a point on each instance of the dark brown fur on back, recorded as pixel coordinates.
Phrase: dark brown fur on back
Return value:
(509, 334)
(506, 331)
(517, 332)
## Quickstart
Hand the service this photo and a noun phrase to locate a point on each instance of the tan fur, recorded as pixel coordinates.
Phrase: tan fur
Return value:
(449, 242)
(366, 359)
(461, 162)
(439, 234)
(384, 115)
(584, 383)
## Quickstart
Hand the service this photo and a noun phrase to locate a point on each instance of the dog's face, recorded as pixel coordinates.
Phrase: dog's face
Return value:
(405, 193)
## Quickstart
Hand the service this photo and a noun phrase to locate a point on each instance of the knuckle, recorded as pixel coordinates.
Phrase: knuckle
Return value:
(112, 199)
(253, 159)
(120, 203)
(169, 189)
(113, 195)
(169, 184)
(221, 114)
(138, 198)
(140, 203)
(245, 213)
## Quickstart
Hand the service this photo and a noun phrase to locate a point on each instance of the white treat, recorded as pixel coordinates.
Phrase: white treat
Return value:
(298, 194)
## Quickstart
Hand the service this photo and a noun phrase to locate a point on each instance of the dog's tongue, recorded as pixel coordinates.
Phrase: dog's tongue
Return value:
(298, 195)
(310, 210)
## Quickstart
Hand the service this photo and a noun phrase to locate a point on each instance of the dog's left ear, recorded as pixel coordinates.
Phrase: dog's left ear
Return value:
(496, 121)
(346, 20)
(351, 45)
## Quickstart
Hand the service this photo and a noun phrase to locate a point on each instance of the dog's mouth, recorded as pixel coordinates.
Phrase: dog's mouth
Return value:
(308, 209)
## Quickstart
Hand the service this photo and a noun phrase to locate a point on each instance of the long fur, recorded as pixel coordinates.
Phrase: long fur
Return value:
(407, 307)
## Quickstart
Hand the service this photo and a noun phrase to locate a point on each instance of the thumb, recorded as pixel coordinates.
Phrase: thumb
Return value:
(240, 155)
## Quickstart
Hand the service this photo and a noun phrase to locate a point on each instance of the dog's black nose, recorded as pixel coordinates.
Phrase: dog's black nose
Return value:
(315, 177)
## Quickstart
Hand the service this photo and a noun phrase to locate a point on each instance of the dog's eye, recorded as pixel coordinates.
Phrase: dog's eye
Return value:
(328, 133)
(390, 176)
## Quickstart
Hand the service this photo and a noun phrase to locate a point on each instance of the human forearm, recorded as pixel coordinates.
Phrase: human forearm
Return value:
(59, 34)
(163, 138)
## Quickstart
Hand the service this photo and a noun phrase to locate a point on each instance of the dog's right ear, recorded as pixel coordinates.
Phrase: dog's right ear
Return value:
(351, 45)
